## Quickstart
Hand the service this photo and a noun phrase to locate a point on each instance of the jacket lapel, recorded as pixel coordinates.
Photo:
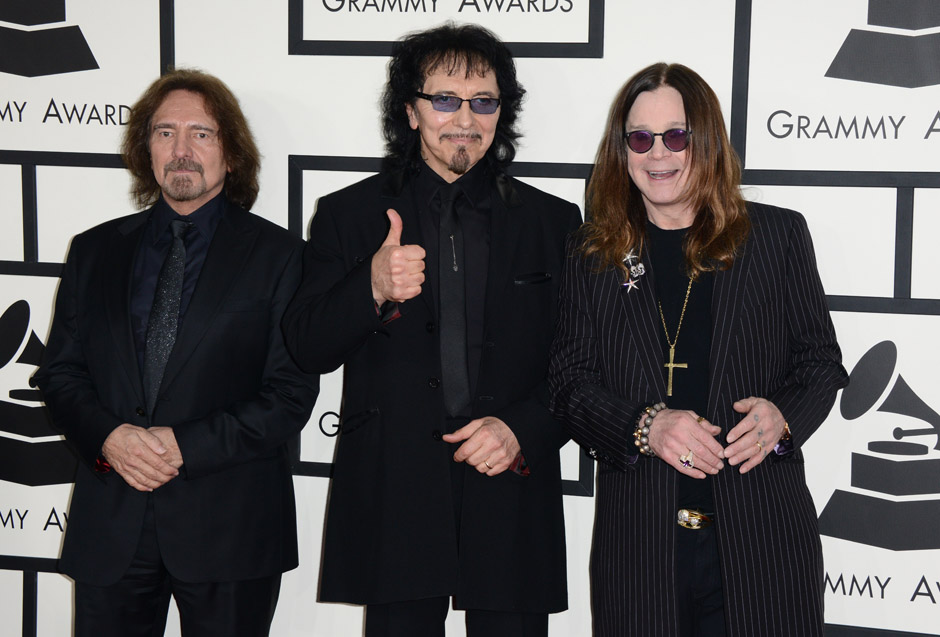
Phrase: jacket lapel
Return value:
(505, 225)
(227, 257)
(643, 324)
(118, 269)
(727, 301)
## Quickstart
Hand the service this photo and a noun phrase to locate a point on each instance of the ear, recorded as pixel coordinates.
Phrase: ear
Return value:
(412, 116)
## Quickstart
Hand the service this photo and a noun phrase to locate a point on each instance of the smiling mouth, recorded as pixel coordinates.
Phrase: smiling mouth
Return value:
(661, 174)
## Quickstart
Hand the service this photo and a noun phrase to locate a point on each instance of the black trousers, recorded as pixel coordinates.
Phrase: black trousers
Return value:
(425, 618)
(698, 583)
(136, 606)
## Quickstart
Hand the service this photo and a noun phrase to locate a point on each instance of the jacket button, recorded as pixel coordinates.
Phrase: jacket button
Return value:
(429, 326)
(436, 434)
(140, 411)
(434, 383)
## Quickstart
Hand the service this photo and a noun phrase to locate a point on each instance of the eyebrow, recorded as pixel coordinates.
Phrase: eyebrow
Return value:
(478, 94)
(200, 127)
(669, 125)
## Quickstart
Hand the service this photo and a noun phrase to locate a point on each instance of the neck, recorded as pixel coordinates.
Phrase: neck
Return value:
(670, 219)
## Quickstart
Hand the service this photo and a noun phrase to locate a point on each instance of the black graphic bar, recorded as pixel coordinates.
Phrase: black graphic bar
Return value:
(740, 77)
(904, 243)
(30, 603)
(167, 35)
(30, 215)
(861, 179)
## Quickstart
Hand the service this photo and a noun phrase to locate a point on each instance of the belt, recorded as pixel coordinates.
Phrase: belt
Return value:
(693, 519)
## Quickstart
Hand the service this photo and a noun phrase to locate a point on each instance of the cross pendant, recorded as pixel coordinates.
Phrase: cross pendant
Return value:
(671, 366)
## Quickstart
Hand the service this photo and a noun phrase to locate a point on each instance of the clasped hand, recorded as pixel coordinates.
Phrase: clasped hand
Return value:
(489, 445)
(145, 458)
(675, 433)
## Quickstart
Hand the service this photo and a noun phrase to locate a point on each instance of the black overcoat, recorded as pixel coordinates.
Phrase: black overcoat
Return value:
(390, 529)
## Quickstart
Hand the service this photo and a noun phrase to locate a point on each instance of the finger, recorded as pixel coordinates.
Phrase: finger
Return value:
(745, 404)
(754, 460)
(394, 231)
(152, 441)
(744, 426)
(413, 254)
(464, 432)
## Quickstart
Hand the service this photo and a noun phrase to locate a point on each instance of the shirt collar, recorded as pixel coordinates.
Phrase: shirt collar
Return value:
(205, 219)
(473, 183)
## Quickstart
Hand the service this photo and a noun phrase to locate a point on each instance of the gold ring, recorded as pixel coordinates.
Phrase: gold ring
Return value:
(488, 465)
(700, 419)
(687, 461)
(760, 447)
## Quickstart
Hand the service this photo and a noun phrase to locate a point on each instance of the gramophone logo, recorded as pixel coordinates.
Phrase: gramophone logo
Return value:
(882, 55)
(27, 455)
(895, 498)
(38, 47)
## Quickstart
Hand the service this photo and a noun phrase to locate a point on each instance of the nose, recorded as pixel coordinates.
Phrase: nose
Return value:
(464, 116)
(181, 147)
(659, 148)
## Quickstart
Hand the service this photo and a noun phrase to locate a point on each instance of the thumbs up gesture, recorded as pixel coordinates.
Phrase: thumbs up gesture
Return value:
(397, 270)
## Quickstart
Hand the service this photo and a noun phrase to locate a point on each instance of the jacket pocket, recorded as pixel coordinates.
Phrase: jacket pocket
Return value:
(532, 278)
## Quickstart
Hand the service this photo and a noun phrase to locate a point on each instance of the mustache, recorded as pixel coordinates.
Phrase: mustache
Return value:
(472, 135)
(182, 164)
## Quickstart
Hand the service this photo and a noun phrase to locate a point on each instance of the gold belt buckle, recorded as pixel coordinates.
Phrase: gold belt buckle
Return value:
(692, 519)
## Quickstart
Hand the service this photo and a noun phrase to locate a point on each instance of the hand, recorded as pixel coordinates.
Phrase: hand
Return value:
(173, 456)
(490, 445)
(757, 433)
(675, 433)
(137, 456)
(397, 270)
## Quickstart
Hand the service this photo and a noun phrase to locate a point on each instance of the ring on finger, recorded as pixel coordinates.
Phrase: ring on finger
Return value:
(488, 465)
(700, 419)
(760, 447)
(687, 460)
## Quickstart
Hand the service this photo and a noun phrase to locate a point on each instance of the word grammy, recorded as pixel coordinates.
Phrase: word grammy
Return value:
(782, 124)
(380, 6)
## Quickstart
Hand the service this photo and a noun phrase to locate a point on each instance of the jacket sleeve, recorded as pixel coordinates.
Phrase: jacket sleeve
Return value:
(333, 312)
(596, 417)
(255, 427)
(64, 377)
(815, 372)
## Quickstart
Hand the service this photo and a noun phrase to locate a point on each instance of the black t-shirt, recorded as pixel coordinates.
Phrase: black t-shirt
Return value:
(693, 344)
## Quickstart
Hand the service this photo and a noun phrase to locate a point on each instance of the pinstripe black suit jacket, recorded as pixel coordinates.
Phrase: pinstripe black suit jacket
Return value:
(772, 337)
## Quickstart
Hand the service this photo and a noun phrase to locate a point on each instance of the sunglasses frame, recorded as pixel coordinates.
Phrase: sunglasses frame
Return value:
(688, 139)
(460, 101)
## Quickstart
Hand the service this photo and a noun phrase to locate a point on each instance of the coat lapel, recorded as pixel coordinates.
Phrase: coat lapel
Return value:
(727, 301)
(505, 225)
(227, 257)
(119, 270)
(643, 324)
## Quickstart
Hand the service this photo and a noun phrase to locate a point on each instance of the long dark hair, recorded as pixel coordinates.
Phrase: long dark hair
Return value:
(469, 48)
(618, 215)
(238, 145)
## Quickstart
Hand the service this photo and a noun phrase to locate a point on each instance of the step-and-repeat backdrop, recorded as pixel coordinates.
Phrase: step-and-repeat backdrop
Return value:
(834, 107)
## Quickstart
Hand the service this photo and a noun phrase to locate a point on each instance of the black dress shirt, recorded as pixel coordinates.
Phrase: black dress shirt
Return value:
(151, 253)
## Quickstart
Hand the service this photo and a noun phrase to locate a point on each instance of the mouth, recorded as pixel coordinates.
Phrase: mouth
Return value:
(182, 167)
(658, 175)
(462, 139)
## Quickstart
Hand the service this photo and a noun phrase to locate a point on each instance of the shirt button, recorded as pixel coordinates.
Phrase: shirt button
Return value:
(436, 434)
(434, 383)
(140, 411)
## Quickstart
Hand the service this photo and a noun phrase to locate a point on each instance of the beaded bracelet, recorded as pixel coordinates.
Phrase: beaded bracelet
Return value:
(642, 432)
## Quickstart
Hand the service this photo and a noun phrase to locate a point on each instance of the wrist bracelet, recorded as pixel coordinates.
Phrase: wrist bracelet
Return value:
(642, 432)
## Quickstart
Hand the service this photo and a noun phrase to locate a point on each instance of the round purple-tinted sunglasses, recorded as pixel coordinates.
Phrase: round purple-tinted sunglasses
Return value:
(674, 139)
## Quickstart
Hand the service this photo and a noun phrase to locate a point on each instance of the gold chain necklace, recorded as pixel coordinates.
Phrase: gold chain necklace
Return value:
(671, 365)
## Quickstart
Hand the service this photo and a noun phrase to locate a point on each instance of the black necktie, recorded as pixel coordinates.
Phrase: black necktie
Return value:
(165, 312)
(453, 310)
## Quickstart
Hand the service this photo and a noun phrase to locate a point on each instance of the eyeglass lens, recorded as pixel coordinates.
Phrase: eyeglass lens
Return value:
(452, 103)
(674, 139)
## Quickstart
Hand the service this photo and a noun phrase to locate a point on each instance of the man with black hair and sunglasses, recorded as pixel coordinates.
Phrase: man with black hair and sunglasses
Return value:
(434, 283)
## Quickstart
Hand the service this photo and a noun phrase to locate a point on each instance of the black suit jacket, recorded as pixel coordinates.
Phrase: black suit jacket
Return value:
(390, 532)
(230, 392)
(772, 337)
